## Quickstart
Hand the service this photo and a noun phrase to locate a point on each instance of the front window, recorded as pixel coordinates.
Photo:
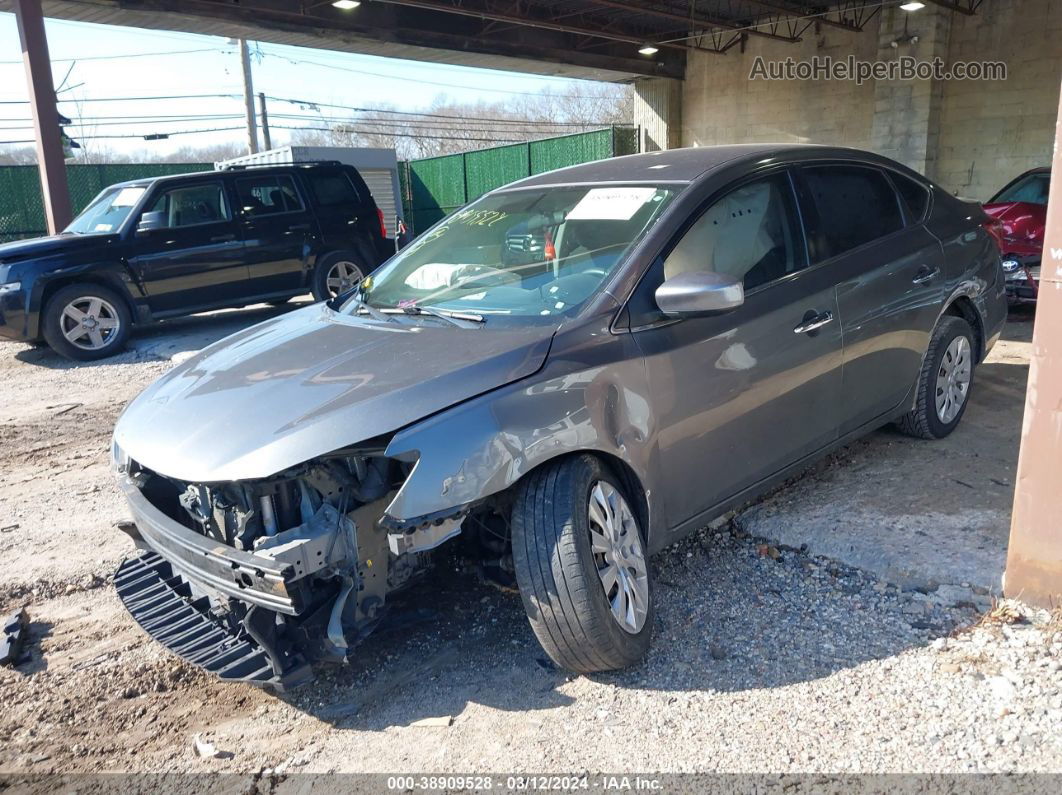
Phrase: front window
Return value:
(526, 253)
(107, 211)
(1031, 189)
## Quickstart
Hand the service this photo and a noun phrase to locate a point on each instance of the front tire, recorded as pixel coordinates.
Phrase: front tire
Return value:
(579, 556)
(86, 322)
(944, 382)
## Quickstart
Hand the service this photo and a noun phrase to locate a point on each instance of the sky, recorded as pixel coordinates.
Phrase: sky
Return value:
(130, 62)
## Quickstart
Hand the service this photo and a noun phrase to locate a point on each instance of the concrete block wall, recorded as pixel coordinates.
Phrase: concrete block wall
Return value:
(971, 136)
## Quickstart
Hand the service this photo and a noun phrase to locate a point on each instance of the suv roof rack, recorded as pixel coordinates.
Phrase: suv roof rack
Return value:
(245, 166)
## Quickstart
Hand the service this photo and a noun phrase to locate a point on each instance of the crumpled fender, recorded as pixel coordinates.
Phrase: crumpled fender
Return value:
(591, 398)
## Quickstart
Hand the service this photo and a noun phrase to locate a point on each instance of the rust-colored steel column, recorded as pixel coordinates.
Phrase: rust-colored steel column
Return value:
(1034, 559)
(50, 159)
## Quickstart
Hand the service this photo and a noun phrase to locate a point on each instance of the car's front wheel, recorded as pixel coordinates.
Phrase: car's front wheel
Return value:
(944, 382)
(86, 322)
(581, 565)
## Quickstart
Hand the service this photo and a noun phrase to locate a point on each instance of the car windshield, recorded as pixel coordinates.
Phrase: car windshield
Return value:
(1031, 189)
(523, 253)
(107, 211)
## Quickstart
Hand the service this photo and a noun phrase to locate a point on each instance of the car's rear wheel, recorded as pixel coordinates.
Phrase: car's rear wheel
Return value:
(581, 565)
(86, 322)
(944, 382)
(336, 274)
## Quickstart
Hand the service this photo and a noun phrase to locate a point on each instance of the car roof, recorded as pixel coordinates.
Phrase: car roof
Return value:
(281, 167)
(687, 164)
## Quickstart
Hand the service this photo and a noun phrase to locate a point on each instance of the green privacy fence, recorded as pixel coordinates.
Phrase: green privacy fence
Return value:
(22, 206)
(436, 186)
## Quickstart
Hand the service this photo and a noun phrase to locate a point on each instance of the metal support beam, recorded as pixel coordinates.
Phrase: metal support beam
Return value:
(531, 22)
(969, 8)
(693, 20)
(50, 160)
(1034, 556)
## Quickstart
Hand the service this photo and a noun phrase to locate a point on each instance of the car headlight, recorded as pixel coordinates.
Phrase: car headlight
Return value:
(10, 287)
(119, 459)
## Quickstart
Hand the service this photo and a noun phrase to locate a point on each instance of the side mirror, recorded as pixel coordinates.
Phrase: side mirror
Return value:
(151, 221)
(699, 293)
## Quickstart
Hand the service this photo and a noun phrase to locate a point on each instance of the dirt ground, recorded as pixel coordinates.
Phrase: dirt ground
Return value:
(760, 657)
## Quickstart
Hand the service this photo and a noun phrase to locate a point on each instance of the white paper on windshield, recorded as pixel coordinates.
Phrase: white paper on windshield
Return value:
(127, 197)
(104, 227)
(610, 204)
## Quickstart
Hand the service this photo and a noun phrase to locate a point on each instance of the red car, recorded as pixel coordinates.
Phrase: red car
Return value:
(1021, 209)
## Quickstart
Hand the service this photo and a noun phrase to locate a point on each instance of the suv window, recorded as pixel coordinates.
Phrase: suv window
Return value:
(267, 195)
(748, 233)
(332, 188)
(195, 204)
(856, 204)
(914, 195)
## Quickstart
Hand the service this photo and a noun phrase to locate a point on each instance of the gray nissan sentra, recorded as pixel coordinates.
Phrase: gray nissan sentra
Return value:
(568, 374)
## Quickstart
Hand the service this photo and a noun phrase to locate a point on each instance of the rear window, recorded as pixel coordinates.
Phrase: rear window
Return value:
(855, 205)
(914, 195)
(331, 189)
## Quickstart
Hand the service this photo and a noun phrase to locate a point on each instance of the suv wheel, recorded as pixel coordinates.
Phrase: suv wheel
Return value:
(944, 382)
(86, 322)
(336, 274)
(580, 562)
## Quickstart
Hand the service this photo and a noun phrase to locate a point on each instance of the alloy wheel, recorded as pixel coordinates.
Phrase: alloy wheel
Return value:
(89, 323)
(342, 276)
(619, 557)
(953, 379)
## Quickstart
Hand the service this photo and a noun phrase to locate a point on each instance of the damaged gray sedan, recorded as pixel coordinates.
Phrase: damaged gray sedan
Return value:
(567, 375)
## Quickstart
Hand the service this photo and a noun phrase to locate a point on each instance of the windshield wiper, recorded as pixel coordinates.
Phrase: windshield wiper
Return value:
(370, 310)
(459, 319)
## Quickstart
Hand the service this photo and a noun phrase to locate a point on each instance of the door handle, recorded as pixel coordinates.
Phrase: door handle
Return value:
(222, 238)
(813, 323)
(925, 275)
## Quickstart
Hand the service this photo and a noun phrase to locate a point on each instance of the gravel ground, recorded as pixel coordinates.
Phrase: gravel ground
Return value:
(766, 658)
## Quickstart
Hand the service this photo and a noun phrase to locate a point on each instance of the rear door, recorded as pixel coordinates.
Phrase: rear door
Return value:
(890, 273)
(196, 258)
(279, 231)
(739, 396)
(345, 212)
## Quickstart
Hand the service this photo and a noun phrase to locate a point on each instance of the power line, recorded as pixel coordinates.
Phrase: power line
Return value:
(124, 55)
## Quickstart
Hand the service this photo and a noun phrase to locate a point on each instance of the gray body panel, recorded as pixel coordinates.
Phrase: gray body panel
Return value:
(701, 411)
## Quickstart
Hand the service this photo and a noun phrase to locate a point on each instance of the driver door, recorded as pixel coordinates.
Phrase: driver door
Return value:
(739, 396)
(193, 257)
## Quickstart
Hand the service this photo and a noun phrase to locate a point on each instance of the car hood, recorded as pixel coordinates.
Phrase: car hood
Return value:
(44, 246)
(310, 382)
(1020, 219)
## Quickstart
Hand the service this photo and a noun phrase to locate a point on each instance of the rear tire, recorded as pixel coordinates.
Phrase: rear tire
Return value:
(944, 383)
(563, 559)
(336, 273)
(86, 322)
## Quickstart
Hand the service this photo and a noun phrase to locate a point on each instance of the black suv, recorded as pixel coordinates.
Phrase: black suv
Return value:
(155, 248)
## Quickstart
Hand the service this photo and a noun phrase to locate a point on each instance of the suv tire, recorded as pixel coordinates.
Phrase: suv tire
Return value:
(944, 383)
(585, 585)
(86, 322)
(336, 273)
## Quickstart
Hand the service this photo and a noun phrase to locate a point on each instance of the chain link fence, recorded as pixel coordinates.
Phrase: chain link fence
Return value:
(22, 204)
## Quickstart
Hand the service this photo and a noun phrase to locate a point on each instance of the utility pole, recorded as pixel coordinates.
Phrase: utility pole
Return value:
(45, 115)
(265, 120)
(248, 98)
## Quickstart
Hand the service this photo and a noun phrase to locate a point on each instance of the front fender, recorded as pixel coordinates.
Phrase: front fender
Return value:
(594, 398)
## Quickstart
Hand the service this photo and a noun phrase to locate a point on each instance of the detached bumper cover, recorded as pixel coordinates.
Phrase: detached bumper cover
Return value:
(161, 603)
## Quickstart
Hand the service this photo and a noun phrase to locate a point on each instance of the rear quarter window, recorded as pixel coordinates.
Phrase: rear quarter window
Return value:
(331, 189)
(915, 196)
